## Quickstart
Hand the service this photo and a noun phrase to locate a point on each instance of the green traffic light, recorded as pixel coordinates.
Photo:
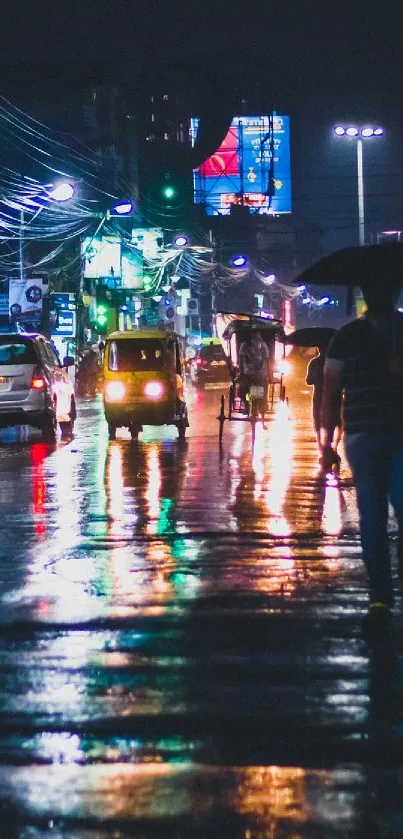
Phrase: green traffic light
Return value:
(169, 192)
(102, 315)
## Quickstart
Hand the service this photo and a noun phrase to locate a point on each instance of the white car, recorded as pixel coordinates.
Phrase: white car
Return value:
(34, 388)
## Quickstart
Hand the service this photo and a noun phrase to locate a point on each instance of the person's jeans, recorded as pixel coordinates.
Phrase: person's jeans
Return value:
(376, 462)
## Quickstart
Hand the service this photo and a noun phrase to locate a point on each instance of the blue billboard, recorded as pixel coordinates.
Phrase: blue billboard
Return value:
(250, 168)
(66, 323)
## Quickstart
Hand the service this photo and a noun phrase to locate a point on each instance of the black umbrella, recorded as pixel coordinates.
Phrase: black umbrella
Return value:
(357, 267)
(311, 336)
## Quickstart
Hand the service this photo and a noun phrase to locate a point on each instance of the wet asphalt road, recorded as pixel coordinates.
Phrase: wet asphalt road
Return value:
(180, 645)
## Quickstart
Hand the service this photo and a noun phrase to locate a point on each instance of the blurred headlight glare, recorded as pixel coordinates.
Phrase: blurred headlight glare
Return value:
(115, 391)
(283, 366)
(153, 390)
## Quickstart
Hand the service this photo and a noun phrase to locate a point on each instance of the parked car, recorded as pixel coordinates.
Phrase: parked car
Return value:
(34, 388)
(209, 365)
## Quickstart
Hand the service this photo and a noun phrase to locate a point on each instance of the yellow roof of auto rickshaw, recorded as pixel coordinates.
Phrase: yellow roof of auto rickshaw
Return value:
(207, 342)
(149, 332)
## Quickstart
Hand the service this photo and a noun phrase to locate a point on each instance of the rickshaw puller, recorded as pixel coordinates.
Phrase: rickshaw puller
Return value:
(254, 360)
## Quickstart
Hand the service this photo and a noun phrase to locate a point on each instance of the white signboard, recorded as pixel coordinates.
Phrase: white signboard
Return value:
(101, 257)
(148, 240)
(25, 298)
(132, 268)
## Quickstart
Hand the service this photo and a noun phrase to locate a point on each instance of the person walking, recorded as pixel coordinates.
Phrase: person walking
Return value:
(314, 378)
(364, 364)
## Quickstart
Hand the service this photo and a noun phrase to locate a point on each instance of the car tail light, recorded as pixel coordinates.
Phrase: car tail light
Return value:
(201, 361)
(38, 382)
(153, 390)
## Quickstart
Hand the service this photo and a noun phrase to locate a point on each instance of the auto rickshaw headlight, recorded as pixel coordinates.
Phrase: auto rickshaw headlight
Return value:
(283, 367)
(115, 391)
(153, 390)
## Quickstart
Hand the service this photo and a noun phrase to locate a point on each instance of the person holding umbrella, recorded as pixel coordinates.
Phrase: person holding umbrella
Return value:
(364, 366)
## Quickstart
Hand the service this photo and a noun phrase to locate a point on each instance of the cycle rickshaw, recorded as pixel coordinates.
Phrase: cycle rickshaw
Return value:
(252, 405)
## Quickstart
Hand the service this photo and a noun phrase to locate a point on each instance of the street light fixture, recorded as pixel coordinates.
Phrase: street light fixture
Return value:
(357, 133)
(239, 261)
(123, 208)
(62, 192)
(181, 240)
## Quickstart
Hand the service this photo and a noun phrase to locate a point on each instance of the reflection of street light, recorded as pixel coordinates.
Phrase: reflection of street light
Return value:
(357, 133)
(63, 191)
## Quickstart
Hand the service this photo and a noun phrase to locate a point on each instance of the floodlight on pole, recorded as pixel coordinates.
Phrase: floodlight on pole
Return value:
(121, 208)
(358, 133)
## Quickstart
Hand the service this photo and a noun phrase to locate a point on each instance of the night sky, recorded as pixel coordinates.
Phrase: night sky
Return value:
(321, 62)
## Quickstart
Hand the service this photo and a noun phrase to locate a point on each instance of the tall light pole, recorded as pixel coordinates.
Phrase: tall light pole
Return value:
(60, 193)
(357, 134)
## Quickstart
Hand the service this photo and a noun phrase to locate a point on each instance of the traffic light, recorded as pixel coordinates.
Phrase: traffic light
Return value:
(102, 306)
(169, 191)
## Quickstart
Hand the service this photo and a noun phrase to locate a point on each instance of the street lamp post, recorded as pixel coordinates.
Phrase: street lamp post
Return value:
(360, 194)
(60, 193)
(357, 133)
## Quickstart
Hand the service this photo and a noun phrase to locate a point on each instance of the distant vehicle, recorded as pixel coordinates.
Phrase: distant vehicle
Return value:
(35, 389)
(209, 365)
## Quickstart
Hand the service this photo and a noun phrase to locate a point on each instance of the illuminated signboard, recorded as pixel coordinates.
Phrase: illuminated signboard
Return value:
(148, 240)
(66, 323)
(102, 257)
(132, 267)
(239, 172)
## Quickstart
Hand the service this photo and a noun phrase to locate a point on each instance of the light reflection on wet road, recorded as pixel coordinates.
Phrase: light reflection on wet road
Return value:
(180, 648)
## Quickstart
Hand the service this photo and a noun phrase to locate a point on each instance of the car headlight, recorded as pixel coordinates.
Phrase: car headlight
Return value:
(115, 391)
(153, 390)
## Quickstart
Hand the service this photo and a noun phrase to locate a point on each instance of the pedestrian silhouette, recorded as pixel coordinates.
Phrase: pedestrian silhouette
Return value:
(365, 364)
(314, 378)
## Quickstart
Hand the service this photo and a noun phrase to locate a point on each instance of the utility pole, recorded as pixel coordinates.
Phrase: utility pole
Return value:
(21, 244)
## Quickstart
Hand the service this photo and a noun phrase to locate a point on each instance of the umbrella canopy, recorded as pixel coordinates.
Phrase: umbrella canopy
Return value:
(311, 336)
(244, 328)
(233, 329)
(362, 267)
